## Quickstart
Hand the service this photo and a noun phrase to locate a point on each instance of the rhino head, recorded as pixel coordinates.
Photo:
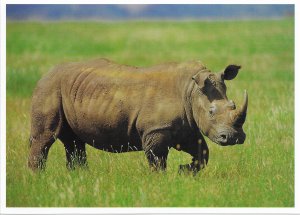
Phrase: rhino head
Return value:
(215, 115)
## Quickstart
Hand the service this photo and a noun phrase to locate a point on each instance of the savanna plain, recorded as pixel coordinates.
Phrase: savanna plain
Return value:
(259, 173)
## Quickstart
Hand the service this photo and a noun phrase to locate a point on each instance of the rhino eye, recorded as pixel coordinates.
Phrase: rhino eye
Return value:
(212, 110)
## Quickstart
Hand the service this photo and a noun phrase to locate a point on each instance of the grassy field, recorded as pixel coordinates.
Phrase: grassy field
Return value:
(259, 173)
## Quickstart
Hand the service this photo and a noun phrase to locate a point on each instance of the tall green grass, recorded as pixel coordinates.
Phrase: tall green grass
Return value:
(259, 173)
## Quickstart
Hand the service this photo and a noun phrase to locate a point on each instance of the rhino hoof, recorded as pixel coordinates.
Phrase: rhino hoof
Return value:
(187, 169)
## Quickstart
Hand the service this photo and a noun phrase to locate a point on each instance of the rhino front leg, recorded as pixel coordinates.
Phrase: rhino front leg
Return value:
(200, 153)
(156, 149)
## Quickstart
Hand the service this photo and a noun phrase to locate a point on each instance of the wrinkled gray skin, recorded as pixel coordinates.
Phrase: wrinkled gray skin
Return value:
(120, 108)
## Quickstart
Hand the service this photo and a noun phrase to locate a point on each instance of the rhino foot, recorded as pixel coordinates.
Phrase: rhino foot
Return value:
(188, 169)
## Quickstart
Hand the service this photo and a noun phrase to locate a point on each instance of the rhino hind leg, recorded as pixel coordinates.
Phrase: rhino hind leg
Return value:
(74, 147)
(46, 122)
(156, 149)
(44, 130)
(39, 148)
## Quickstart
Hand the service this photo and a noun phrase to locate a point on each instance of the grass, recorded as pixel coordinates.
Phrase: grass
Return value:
(259, 173)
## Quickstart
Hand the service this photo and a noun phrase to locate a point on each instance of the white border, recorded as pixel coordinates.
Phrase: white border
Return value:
(3, 106)
(297, 106)
(6, 210)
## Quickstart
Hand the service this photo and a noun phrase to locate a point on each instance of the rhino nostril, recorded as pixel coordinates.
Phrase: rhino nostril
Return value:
(223, 136)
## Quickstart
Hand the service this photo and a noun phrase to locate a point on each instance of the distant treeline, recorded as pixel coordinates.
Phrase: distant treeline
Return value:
(166, 11)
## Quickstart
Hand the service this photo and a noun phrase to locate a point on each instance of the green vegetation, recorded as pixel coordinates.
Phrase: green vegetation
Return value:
(259, 173)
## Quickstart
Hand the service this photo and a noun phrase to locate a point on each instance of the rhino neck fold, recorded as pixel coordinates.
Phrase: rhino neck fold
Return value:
(187, 103)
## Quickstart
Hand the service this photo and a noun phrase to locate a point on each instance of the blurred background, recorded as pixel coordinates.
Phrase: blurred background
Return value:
(144, 11)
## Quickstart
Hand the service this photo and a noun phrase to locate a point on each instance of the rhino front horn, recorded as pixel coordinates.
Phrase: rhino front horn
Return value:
(241, 114)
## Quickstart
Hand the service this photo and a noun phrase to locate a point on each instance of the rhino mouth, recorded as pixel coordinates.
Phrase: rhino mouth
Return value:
(227, 139)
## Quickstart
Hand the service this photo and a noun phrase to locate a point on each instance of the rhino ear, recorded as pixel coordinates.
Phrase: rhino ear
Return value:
(230, 72)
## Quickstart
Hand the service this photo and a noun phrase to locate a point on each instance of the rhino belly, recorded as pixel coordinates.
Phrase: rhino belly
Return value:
(106, 130)
(111, 140)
